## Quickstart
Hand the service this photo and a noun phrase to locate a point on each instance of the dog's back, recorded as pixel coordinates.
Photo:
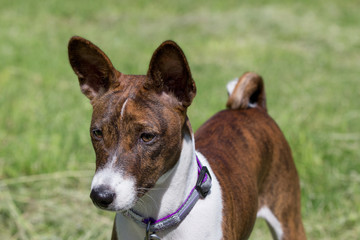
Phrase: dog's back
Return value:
(257, 168)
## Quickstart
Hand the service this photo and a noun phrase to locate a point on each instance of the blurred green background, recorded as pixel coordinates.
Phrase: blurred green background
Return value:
(307, 51)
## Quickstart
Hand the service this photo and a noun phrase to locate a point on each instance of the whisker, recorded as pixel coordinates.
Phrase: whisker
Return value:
(141, 203)
(152, 199)
(156, 189)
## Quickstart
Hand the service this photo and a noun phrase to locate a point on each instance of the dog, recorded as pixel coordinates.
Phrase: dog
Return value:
(163, 181)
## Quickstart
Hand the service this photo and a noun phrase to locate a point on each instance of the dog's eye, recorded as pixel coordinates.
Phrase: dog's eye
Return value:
(97, 133)
(147, 137)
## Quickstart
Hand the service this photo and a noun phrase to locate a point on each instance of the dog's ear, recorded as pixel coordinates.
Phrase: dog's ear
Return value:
(93, 68)
(169, 72)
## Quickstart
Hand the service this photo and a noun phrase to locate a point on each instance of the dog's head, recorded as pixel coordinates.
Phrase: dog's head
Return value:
(138, 121)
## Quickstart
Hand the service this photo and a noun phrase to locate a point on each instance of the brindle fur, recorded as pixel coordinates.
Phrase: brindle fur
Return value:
(244, 146)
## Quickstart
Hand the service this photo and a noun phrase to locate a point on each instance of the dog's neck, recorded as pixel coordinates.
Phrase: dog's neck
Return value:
(172, 189)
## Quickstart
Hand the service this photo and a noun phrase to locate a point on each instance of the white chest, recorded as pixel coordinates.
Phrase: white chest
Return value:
(204, 222)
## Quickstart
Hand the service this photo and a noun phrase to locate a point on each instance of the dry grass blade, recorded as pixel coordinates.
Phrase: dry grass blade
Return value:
(24, 228)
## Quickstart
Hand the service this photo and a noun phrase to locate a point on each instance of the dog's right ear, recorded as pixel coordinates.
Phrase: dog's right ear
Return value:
(93, 68)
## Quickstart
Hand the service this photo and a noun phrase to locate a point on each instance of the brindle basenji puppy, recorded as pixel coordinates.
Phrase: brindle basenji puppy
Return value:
(164, 183)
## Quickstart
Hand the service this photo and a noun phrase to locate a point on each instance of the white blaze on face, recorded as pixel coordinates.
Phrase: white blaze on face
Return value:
(123, 108)
(123, 187)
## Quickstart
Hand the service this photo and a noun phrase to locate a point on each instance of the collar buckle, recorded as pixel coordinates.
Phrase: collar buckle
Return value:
(203, 183)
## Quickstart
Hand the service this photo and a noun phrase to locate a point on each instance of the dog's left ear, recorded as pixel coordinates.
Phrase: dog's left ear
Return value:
(169, 72)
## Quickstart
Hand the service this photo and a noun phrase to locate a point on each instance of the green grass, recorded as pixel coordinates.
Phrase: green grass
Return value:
(307, 51)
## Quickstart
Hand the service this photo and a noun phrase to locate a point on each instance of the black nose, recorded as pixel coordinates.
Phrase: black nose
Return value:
(102, 196)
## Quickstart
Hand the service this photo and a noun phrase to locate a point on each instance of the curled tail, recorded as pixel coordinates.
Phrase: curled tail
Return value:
(248, 91)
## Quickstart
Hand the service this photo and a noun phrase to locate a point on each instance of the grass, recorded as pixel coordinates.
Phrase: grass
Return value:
(308, 53)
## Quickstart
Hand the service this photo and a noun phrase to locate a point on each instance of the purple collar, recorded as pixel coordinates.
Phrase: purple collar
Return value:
(200, 190)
